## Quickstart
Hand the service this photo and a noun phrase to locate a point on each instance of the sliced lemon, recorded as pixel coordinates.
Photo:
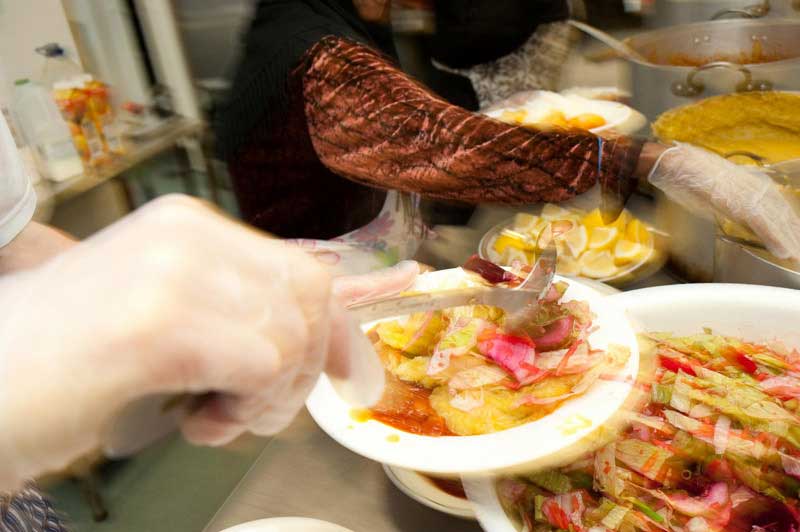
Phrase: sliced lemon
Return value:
(552, 212)
(526, 223)
(568, 266)
(626, 252)
(603, 238)
(621, 222)
(504, 242)
(576, 240)
(636, 231)
(593, 219)
(510, 255)
(597, 264)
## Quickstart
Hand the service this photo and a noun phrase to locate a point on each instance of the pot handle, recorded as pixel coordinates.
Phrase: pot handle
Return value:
(754, 11)
(691, 88)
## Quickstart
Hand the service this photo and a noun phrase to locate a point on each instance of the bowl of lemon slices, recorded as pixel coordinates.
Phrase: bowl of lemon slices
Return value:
(619, 253)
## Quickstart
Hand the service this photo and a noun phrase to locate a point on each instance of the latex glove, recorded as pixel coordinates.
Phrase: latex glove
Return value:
(172, 299)
(710, 185)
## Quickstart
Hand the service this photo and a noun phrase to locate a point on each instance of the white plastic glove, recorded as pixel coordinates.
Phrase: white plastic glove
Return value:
(710, 185)
(174, 298)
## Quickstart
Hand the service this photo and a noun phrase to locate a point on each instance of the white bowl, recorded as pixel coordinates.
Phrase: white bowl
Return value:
(287, 524)
(757, 313)
(499, 451)
(425, 492)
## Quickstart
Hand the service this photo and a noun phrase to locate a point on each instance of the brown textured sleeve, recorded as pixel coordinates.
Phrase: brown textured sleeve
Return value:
(371, 123)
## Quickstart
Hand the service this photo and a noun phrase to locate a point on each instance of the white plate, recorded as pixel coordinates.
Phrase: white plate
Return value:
(499, 451)
(425, 492)
(756, 313)
(618, 116)
(287, 524)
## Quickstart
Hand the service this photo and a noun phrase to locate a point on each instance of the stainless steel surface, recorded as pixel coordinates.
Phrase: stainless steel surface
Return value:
(506, 298)
(735, 263)
(659, 87)
(305, 473)
(695, 257)
(665, 13)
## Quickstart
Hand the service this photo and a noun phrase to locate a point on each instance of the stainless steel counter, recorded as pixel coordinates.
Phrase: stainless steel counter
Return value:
(302, 472)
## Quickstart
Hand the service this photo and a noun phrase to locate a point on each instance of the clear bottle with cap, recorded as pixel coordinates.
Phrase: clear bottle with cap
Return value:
(45, 132)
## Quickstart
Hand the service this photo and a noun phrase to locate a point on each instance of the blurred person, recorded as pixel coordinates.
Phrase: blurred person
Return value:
(174, 298)
(321, 120)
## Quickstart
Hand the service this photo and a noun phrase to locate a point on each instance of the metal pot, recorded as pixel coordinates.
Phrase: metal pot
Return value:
(736, 263)
(701, 252)
(665, 13)
(659, 87)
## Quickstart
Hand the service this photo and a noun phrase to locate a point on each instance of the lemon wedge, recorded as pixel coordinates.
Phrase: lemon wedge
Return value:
(630, 252)
(526, 223)
(552, 212)
(621, 222)
(568, 266)
(576, 240)
(593, 219)
(597, 264)
(603, 238)
(510, 255)
(504, 242)
(636, 231)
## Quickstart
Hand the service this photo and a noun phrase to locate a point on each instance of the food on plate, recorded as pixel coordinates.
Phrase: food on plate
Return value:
(766, 124)
(461, 372)
(585, 121)
(716, 447)
(587, 247)
(544, 109)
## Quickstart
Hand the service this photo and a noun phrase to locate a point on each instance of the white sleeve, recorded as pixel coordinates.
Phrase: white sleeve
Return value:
(17, 197)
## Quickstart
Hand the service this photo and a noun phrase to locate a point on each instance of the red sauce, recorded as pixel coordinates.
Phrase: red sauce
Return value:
(449, 486)
(406, 407)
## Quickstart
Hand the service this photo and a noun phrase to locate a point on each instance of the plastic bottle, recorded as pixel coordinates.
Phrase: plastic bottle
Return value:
(44, 130)
(73, 102)
(57, 67)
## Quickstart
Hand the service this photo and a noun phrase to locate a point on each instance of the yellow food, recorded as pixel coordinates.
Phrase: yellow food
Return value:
(626, 252)
(587, 121)
(590, 248)
(514, 117)
(597, 264)
(576, 240)
(764, 123)
(603, 238)
(551, 212)
(638, 232)
(593, 219)
(505, 241)
(568, 266)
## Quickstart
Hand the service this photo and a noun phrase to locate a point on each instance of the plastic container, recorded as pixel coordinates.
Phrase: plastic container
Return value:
(57, 67)
(45, 132)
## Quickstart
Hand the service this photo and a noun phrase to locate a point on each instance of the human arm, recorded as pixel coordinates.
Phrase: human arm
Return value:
(172, 299)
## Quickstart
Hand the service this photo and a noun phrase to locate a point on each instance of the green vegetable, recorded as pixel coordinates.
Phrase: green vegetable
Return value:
(661, 393)
(581, 480)
(537, 511)
(553, 481)
(646, 510)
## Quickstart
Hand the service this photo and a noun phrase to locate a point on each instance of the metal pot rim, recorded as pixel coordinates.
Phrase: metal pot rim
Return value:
(750, 23)
(758, 257)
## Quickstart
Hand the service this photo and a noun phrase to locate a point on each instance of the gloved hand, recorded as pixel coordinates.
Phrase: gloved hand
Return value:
(172, 299)
(710, 185)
